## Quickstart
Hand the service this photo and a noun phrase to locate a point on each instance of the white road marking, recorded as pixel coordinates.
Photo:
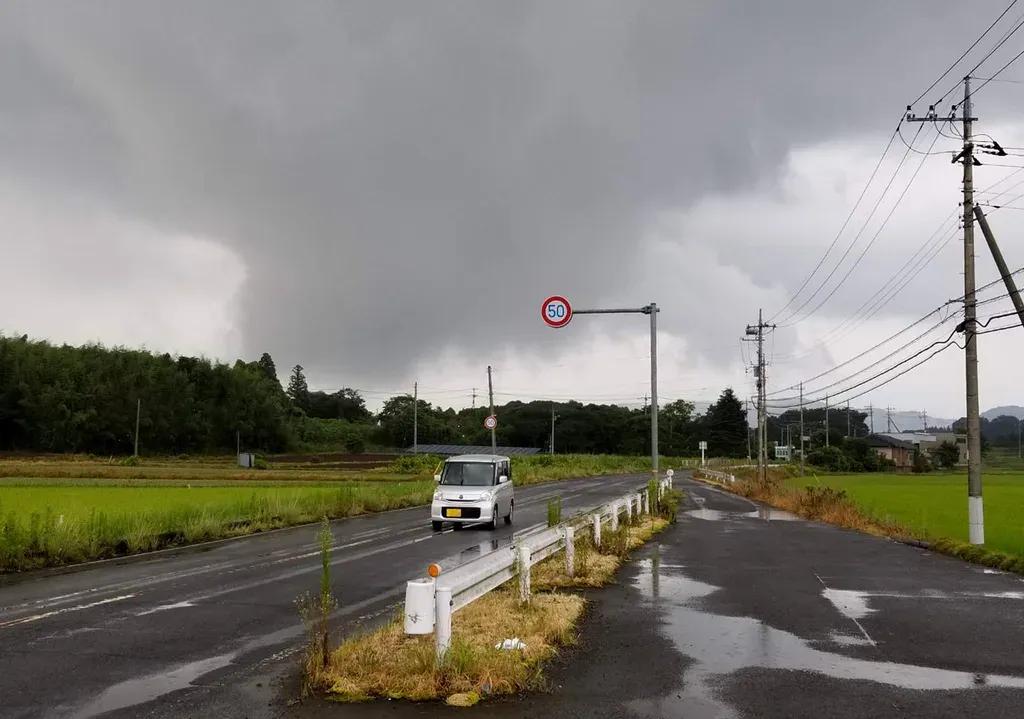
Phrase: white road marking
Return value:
(44, 615)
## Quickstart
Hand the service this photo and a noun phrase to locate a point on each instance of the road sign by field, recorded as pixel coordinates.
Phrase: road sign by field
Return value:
(556, 311)
(490, 422)
(702, 445)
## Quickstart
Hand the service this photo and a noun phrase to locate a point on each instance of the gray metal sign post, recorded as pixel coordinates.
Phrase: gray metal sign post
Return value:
(556, 313)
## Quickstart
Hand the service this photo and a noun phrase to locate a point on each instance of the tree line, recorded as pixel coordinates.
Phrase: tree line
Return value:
(60, 398)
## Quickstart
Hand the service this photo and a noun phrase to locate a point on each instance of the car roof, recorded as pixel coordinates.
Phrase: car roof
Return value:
(478, 458)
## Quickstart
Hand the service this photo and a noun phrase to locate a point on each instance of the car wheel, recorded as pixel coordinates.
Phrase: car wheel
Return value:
(436, 526)
(493, 524)
(511, 508)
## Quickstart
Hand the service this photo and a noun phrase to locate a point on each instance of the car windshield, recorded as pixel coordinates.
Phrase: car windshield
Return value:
(468, 474)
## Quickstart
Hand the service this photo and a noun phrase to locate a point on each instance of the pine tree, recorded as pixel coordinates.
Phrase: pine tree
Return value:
(267, 367)
(298, 390)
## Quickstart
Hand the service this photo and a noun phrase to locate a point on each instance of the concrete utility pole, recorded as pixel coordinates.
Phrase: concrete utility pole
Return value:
(801, 429)
(654, 388)
(552, 446)
(138, 412)
(848, 419)
(415, 418)
(474, 398)
(975, 507)
(746, 416)
(826, 421)
(871, 415)
(762, 424)
(490, 395)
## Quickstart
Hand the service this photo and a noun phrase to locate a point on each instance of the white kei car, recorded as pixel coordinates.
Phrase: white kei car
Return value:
(473, 488)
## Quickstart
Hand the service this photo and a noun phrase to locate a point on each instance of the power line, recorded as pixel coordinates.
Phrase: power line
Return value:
(870, 244)
(843, 227)
(965, 53)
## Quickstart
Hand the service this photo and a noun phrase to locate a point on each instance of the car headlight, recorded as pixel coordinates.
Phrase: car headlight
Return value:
(438, 494)
(485, 497)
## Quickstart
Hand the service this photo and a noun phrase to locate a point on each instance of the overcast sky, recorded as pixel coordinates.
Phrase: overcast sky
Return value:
(384, 191)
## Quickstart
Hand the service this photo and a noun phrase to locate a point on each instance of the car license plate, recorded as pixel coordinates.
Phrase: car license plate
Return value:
(453, 512)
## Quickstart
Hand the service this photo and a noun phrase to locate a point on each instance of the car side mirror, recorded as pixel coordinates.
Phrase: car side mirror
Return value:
(502, 479)
(437, 478)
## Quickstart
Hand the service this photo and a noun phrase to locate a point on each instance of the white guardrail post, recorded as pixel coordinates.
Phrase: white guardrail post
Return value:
(615, 516)
(629, 509)
(596, 518)
(524, 574)
(570, 551)
(443, 620)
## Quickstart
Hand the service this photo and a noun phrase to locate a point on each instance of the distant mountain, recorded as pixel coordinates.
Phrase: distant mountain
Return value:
(1009, 409)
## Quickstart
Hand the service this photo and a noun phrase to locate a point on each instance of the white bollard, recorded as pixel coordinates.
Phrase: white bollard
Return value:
(647, 504)
(639, 504)
(615, 516)
(596, 518)
(629, 509)
(524, 574)
(570, 551)
(443, 620)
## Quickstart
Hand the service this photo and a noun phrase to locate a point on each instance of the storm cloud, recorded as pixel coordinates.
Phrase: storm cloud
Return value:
(404, 181)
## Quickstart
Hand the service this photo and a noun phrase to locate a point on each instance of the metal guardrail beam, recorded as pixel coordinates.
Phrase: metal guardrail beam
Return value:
(430, 604)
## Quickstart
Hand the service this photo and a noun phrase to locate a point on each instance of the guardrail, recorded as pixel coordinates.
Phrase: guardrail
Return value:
(720, 476)
(430, 602)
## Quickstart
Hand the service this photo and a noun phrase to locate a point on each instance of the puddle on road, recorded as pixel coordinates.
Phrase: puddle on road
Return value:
(722, 645)
(766, 514)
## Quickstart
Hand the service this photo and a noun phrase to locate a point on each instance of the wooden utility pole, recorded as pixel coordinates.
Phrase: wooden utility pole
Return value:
(138, 412)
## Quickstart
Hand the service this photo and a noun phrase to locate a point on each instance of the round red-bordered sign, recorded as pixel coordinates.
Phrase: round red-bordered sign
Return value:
(556, 311)
(490, 422)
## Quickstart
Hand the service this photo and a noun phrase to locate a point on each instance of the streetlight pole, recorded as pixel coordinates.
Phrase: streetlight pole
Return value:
(652, 310)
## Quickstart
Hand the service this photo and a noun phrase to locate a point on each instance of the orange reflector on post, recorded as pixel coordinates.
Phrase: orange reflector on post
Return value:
(434, 570)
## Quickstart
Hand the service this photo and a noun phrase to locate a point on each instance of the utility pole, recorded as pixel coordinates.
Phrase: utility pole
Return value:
(552, 446)
(654, 389)
(1019, 423)
(924, 420)
(847, 419)
(871, 415)
(1011, 286)
(490, 395)
(474, 398)
(975, 506)
(415, 418)
(138, 412)
(746, 416)
(827, 433)
(238, 443)
(801, 429)
(888, 418)
(759, 373)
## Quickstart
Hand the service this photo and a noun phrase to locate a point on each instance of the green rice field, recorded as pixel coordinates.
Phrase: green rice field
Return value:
(934, 505)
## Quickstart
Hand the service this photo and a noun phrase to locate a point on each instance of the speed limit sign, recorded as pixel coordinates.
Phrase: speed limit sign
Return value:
(556, 311)
(490, 422)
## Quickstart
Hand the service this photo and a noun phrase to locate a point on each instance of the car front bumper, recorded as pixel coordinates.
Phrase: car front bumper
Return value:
(477, 511)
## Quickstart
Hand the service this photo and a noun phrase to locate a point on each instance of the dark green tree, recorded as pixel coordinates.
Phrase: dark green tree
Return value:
(298, 390)
(266, 365)
(726, 424)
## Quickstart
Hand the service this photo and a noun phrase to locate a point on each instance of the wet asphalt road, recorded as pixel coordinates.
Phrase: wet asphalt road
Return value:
(211, 631)
(736, 612)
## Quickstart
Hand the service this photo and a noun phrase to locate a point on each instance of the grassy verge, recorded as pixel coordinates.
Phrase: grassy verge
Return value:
(52, 525)
(388, 664)
(904, 507)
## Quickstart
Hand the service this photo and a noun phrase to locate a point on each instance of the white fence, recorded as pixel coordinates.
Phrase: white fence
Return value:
(720, 476)
(430, 602)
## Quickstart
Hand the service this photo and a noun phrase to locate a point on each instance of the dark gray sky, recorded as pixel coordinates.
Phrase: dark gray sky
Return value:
(385, 191)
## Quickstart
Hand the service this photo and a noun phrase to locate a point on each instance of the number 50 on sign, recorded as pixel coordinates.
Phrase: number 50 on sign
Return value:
(556, 311)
